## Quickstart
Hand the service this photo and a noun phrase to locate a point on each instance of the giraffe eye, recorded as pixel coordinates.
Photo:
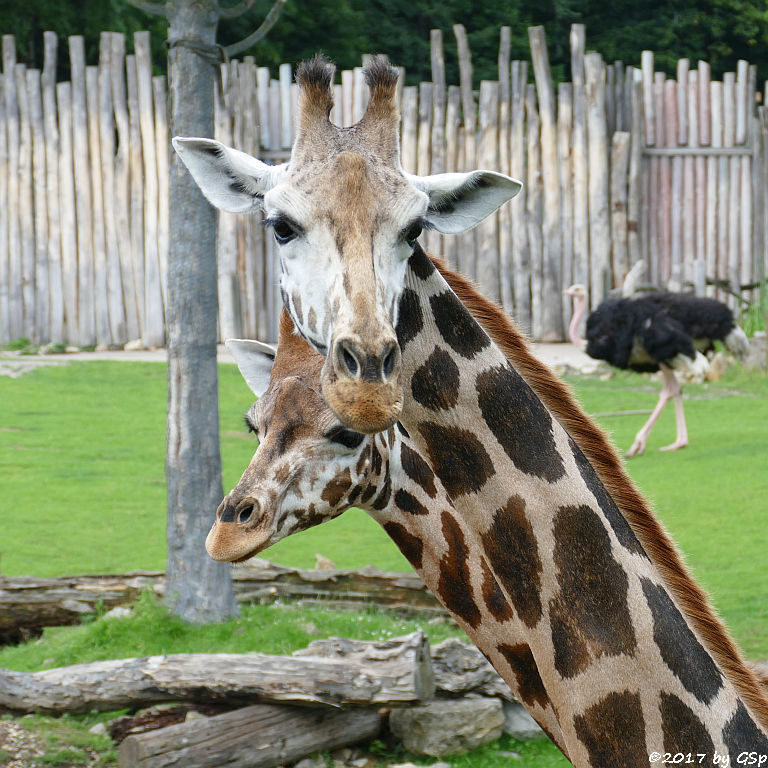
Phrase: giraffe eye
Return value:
(252, 430)
(283, 231)
(411, 234)
(346, 437)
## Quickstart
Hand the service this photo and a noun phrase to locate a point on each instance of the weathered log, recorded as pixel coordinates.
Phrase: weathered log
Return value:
(259, 736)
(396, 674)
(28, 604)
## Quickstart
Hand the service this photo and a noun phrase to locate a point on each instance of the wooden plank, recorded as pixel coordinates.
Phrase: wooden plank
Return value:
(580, 161)
(230, 326)
(26, 204)
(100, 290)
(42, 319)
(715, 136)
(730, 122)
(505, 216)
(720, 189)
(647, 68)
(599, 180)
(360, 99)
(533, 206)
(262, 83)
(748, 84)
(621, 122)
(743, 101)
(163, 143)
(635, 191)
(517, 169)
(137, 186)
(410, 110)
(121, 186)
(552, 318)
(423, 157)
(610, 103)
(699, 171)
(689, 181)
(487, 238)
(564, 133)
(15, 297)
(286, 117)
(51, 138)
(654, 207)
(5, 336)
(619, 170)
(67, 213)
(347, 97)
(259, 736)
(437, 144)
(452, 160)
(83, 199)
(467, 244)
(153, 330)
(683, 68)
(673, 257)
(705, 120)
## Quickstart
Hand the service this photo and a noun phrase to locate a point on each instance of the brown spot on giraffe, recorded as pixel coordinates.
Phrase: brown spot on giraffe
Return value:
(454, 586)
(435, 384)
(613, 731)
(513, 554)
(409, 503)
(683, 730)
(409, 318)
(417, 469)
(679, 647)
(591, 610)
(520, 422)
(495, 600)
(411, 546)
(529, 682)
(457, 457)
(459, 331)
(334, 492)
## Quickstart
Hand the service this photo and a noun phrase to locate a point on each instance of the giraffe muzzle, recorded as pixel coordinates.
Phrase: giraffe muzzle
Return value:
(241, 530)
(363, 385)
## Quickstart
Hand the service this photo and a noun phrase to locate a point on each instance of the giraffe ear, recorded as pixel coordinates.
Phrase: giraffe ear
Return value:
(255, 361)
(460, 201)
(231, 180)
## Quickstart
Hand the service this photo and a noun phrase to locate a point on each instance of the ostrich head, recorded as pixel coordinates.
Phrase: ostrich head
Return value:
(579, 293)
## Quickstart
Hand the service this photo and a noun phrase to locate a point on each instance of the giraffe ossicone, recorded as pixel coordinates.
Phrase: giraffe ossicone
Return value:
(345, 217)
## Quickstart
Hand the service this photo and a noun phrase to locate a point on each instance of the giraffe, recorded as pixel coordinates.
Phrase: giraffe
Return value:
(630, 655)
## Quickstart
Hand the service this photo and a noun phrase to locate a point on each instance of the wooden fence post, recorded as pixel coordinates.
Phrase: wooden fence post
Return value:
(5, 318)
(619, 168)
(597, 146)
(580, 161)
(635, 192)
(437, 145)
(533, 206)
(551, 318)
(521, 255)
(564, 134)
(505, 216)
(52, 180)
(487, 238)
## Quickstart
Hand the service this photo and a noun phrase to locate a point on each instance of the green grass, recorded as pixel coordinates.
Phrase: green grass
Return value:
(82, 461)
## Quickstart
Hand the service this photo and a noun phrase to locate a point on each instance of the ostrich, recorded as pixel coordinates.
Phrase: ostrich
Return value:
(656, 331)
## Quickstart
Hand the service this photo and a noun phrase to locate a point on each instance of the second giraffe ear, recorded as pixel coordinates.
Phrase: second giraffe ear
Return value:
(255, 361)
(460, 201)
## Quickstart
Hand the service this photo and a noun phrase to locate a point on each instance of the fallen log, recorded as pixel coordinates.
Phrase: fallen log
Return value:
(260, 736)
(28, 604)
(402, 676)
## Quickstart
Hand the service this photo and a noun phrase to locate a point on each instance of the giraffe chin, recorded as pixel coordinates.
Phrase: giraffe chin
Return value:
(230, 543)
(367, 407)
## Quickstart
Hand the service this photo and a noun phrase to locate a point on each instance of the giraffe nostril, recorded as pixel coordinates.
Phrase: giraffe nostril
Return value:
(350, 361)
(247, 510)
(389, 361)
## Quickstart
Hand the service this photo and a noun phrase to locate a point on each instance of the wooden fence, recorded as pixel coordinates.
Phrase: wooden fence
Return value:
(621, 164)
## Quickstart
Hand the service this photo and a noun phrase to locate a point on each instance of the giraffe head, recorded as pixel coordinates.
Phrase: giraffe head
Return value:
(346, 218)
(308, 467)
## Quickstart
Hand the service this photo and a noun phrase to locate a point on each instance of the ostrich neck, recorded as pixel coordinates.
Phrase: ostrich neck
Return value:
(579, 308)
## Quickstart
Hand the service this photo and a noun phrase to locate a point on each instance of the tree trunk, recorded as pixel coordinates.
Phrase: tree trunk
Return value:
(197, 588)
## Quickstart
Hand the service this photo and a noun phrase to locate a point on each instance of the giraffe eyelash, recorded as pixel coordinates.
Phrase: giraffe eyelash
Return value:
(252, 429)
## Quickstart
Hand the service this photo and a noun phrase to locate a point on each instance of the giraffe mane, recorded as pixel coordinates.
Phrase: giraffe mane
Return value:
(597, 447)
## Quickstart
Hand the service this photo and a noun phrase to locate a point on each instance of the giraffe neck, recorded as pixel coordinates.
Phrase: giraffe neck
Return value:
(406, 498)
(618, 662)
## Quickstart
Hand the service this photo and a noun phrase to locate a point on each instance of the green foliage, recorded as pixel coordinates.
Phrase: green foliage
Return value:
(717, 31)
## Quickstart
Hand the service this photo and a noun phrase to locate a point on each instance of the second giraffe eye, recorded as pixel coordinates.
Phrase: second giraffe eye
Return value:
(411, 234)
(284, 232)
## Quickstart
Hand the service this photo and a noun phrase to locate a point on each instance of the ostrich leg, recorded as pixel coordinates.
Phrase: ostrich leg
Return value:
(671, 383)
(670, 390)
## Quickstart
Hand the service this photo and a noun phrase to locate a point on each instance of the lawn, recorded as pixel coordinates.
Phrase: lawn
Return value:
(83, 490)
